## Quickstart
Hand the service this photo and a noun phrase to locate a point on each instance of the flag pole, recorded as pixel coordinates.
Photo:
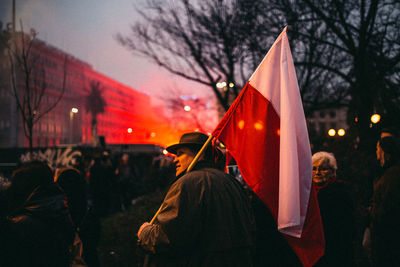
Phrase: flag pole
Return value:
(194, 161)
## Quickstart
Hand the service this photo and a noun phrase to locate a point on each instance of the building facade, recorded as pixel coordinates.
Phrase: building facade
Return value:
(128, 116)
(321, 121)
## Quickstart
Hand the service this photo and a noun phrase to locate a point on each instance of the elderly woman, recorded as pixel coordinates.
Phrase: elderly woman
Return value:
(336, 211)
(324, 169)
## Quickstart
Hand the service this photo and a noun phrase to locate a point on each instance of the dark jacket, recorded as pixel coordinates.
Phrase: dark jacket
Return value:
(206, 220)
(337, 214)
(385, 213)
(38, 233)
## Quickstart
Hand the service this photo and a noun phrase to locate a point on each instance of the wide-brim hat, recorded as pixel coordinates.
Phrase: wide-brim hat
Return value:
(195, 139)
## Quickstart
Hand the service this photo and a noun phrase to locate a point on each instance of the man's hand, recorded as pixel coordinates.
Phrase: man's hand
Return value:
(142, 227)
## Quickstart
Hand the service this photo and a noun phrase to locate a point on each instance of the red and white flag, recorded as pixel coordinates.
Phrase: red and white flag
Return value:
(265, 131)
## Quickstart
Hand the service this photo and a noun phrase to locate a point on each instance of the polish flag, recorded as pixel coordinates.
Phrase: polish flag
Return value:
(265, 131)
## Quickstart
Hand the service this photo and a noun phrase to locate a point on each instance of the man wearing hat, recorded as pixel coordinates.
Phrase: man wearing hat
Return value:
(385, 212)
(205, 218)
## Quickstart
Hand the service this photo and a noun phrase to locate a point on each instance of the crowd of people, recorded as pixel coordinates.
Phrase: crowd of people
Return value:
(52, 217)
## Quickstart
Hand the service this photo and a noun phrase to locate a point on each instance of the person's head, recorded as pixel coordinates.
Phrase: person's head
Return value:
(26, 179)
(74, 186)
(187, 148)
(386, 149)
(324, 167)
(125, 159)
(71, 181)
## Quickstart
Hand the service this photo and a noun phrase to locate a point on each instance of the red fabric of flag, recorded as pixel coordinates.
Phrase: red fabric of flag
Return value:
(265, 132)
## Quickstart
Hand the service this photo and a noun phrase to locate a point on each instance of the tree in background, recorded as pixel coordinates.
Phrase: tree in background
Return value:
(29, 82)
(205, 42)
(190, 112)
(347, 53)
(95, 104)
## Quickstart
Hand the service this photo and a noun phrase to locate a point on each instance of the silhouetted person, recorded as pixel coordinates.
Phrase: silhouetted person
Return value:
(114, 203)
(126, 180)
(99, 187)
(38, 230)
(85, 222)
(385, 209)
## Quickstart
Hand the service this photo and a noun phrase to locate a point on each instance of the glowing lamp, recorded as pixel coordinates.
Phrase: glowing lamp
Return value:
(165, 152)
(187, 108)
(74, 110)
(241, 124)
(341, 132)
(258, 125)
(375, 118)
(331, 132)
(130, 130)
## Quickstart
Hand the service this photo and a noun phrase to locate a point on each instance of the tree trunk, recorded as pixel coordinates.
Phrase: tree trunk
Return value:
(94, 131)
(30, 139)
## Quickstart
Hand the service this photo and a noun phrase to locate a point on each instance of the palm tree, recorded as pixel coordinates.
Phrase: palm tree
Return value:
(94, 104)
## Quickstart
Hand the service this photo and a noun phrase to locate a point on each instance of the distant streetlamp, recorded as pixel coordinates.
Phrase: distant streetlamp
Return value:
(221, 85)
(375, 118)
(71, 123)
(331, 132)
(341, 132)
(187, 108)
(224, 85)
(130, 130)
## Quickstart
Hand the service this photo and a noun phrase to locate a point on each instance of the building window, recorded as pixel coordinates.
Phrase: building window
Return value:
(332, 114)
(322, 114)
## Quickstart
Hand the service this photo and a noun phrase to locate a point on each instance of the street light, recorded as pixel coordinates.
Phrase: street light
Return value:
(130, 130)
(71, 123)
(375, 118)
(341, 132)
(187, 108)
(331, 132)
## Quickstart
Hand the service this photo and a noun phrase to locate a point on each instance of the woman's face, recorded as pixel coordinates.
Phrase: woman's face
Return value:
(322, 172)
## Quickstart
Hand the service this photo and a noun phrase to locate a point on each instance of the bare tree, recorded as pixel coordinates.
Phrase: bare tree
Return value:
(347, 53)
(95, 104)
(189, 112)
(29, 83)
(205, 42)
